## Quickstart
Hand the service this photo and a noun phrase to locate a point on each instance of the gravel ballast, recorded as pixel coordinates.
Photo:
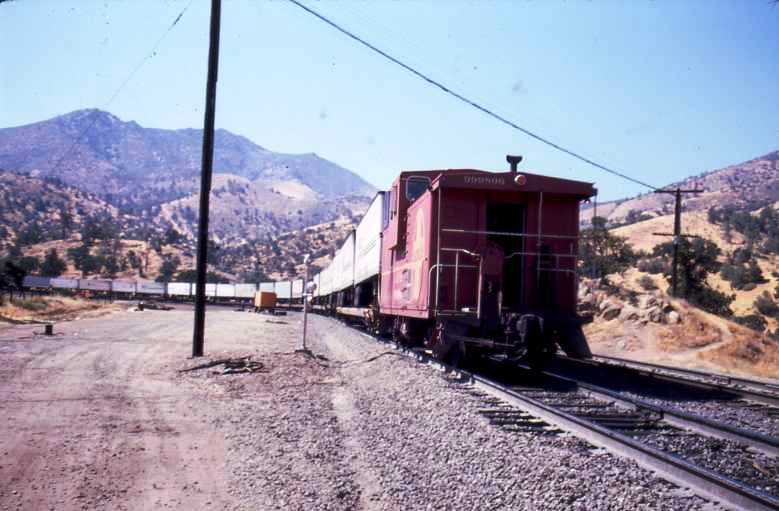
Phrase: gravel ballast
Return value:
(364, 427)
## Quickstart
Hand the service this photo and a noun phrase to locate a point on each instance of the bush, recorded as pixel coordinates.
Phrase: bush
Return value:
(752, 321)
(766, 305)
(653, 266)
(31, 305)
(749, 287)
(647, 283)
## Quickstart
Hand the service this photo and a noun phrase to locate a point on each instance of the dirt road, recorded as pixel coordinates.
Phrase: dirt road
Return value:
(101, 416)
(93, 418)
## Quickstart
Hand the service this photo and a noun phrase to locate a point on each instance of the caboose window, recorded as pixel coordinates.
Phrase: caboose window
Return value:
(416, 186)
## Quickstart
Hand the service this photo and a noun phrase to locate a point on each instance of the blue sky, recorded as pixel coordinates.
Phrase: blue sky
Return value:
(659, 90)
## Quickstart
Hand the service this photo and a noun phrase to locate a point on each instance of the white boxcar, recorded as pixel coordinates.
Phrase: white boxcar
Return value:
(179, 288)
(315, 280)
(343, 265)
(94, 284)
(123, 286)
(268, 287)
(210, 289)
(283, 290)
(367, 243)
(245, 290)
(225, 290)
(33, 281)
(325, 282)
(148, 287)
(297, 288)
(63, 283)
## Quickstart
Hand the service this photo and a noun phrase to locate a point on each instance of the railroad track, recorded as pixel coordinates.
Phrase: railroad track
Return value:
(747, 408)
(658, 438)
(753, 390)
(645, 433)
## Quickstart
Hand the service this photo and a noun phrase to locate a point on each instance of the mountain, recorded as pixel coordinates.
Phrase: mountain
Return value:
(95, 169)
(753, 183)
(129, 164)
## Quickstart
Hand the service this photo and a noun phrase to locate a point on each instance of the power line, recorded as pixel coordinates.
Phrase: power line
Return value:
(137, 68)
(462, 98)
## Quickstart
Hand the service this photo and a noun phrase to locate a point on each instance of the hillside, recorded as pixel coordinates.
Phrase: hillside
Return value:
(754, 182)
(130, 165)
(137, 189)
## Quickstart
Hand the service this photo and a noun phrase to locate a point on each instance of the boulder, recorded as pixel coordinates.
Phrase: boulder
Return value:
(667, 307)
(646, 301)
(629, 313)
(672, 317)
(611, 312)
(655, 314)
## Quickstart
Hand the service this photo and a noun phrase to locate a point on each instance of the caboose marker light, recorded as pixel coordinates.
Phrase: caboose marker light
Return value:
(521, 180)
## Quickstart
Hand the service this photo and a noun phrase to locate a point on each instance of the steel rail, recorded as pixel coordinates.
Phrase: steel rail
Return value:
(663, 373)
(684, 420)
(754, 384)
(727, 491)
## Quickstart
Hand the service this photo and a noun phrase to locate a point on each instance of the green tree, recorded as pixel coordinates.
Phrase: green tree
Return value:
(696, 259)
(191, 276)
(83, 260)
(31, 235)
(52, 265)
(168, 268)
(602, 253)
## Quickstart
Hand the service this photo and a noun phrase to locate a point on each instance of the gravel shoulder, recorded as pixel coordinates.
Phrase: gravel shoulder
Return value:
(102, 417)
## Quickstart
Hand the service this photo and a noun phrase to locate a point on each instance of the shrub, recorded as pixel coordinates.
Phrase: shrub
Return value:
(766, 305)
(31, 305)
(647, 283)
(653, 266)
(752, 321)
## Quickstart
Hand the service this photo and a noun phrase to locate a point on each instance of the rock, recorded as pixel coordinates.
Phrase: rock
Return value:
(605, 304)
(667, 307)
(629, 313)
(646, 301)
(654, 314)
(611, 312)
(672, 317)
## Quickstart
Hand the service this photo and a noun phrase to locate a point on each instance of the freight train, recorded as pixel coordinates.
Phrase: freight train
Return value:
(465, 263)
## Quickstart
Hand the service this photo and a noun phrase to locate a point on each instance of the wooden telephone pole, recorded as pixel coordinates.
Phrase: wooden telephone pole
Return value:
(205, 182)
(677, 234)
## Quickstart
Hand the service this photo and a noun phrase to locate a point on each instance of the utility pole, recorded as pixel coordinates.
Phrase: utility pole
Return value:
(205, 181)
(305, 302)
(677, 234)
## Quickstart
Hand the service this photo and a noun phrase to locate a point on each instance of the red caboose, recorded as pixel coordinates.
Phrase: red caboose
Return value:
(476, 261)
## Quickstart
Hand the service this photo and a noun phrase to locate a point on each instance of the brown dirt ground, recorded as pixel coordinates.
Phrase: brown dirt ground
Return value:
(95, 418)
(35, 309)
(701, 341)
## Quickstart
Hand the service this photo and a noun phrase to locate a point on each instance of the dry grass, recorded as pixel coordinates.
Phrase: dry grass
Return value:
(641, 235)
(700, 341)
(47, 308)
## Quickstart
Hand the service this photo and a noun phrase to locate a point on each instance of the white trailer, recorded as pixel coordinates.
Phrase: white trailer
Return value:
(367, 250)
(94, 285)
(63, 283)
(179, 289)
(149, 287)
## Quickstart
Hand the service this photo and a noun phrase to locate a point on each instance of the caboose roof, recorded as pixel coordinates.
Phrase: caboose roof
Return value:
(506, 181)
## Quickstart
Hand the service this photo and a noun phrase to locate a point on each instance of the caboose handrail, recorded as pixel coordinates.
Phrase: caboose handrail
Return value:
(464, 251)
(551, 254)
(515, 234)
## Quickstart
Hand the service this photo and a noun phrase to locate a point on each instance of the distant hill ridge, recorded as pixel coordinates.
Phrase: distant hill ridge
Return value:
(114, 157)
(751, 183)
